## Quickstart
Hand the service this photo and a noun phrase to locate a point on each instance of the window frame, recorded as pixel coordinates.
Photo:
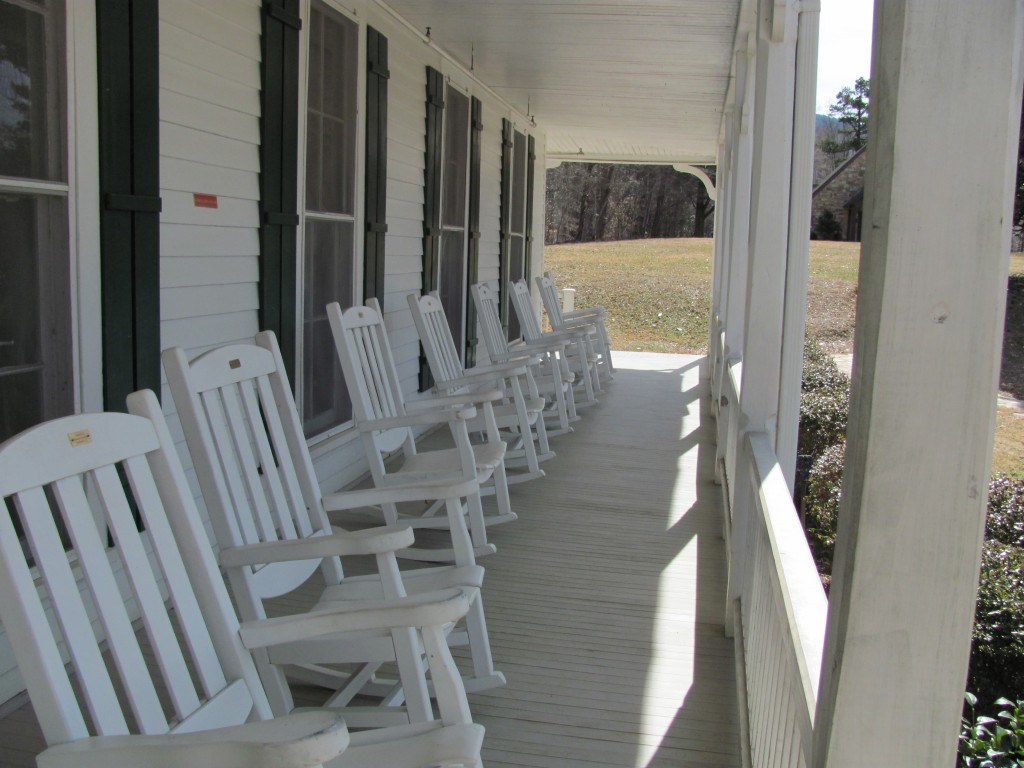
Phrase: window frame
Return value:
(452, 84)
(81, 191)
(359, 198)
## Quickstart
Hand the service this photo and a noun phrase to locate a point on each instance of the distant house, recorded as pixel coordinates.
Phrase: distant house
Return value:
(842, 196)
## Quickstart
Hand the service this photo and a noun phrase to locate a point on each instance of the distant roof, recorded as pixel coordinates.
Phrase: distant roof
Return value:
(839, 170)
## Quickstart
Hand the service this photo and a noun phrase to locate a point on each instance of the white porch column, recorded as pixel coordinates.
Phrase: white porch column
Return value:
(720, 253)
(734, 288)
(794, 321)
(735, 285)
(945, 93)
(766, 272)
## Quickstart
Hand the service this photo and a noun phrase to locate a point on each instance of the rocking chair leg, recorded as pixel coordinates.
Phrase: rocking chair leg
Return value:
(412, 673)
(390, 513)
(484, 674)
(477, 527)
(462, 545)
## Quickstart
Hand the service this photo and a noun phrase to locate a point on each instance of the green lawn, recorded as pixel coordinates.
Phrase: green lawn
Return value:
(657, 293)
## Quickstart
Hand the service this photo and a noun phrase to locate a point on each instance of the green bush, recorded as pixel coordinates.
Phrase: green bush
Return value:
(824, 402)
(997, 649)
(992, 742)
(820, 372)
(828, 227)
(1005, 520)
(821, 505)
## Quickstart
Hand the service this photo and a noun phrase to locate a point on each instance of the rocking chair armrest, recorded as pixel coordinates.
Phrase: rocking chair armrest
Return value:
(300, 740)
(587, 312)
(338, 543)
(396, 494)
(538, 347)
(424, 417)
(430, 609)
(578, 324)
(462, 398)
(474, 376)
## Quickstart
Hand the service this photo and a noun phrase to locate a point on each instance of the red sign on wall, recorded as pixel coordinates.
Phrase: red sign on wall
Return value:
(204, 201)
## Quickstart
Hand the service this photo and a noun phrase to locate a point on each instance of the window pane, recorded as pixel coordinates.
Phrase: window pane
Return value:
(328, 277)
(35, 320)
(451, 283)
(331, 112)
(32, 91)
(519, 182)
(456, 158)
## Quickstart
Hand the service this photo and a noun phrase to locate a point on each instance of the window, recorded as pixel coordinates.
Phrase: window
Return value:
(515, 215)
(517, 223)
(451, 282)
(329, 264)
(35, 295)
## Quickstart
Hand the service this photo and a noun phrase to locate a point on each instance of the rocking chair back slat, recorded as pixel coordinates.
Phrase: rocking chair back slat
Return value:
(365, 356)
(276, 457)
(146, 591)
(490, 318)
(549, 297)
(86, 658)
(523, 306)
(86, 458)
(243, 427)
(92, 557)
(239, 419)
(243, 525)
(437, 338)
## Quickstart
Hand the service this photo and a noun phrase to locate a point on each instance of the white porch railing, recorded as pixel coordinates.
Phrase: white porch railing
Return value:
(780, 620)
(783, 612)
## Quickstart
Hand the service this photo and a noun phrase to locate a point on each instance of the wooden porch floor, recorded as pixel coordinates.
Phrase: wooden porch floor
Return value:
(604, 600)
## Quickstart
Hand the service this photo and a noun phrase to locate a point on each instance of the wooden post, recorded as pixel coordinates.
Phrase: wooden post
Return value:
(946, 97)
(799, 239)
(719, 258)
(735, 285)
(765, 285)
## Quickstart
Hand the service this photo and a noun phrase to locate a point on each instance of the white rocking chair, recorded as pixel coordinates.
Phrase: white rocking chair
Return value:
(579, 351)
(581, 318)
(385, 420)
(202, 702)
(551, 375)
(243, 431)
(518, 415)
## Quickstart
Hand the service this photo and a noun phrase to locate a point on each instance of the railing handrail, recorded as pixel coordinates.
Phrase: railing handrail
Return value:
(802, 594)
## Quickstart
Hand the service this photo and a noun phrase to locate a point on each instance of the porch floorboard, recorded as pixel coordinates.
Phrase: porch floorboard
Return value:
(604, 601)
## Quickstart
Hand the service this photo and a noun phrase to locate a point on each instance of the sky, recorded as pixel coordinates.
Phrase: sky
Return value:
(844, 47)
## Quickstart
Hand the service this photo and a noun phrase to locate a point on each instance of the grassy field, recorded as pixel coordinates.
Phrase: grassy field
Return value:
(657, 293)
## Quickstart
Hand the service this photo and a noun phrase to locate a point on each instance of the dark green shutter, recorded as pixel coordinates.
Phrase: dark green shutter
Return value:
(531, 157)
(279, 141)
(432, 196)
(505, 221)
(129, 128)
(376, 163)
(473, 261)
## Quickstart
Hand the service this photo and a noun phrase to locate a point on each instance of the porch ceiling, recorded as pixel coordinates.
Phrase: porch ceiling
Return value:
(643, 81)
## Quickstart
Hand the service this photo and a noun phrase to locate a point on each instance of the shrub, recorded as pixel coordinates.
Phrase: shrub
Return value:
(828, 227)
(821, 504)
(997, 650)
(992, 742)
(1005, 520)
(824, 402)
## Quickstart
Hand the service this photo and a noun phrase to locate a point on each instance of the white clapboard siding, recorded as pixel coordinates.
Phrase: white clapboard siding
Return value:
(208, 270)
(180, 176)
